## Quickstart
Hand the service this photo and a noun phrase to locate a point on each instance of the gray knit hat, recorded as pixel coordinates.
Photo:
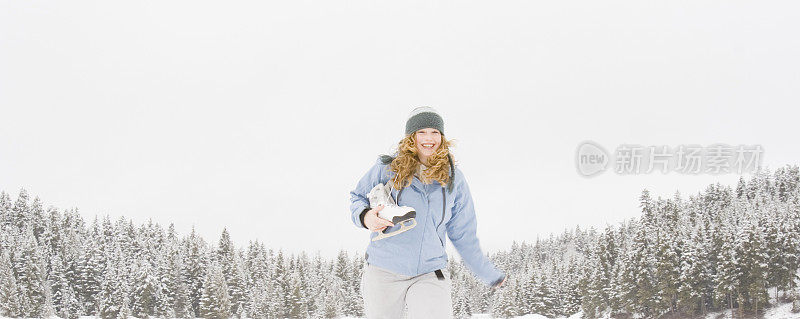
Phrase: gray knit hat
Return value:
(424, 117)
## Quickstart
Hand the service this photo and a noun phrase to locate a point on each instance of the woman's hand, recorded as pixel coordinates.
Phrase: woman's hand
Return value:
(375, 223)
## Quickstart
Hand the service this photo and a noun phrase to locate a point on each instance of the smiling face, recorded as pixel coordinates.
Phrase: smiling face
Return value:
(428, 141)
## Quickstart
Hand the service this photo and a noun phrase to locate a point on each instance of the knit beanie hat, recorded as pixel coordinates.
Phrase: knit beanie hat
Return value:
(424, 117)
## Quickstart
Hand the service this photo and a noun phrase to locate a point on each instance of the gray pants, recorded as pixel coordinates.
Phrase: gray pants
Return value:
(386, 294)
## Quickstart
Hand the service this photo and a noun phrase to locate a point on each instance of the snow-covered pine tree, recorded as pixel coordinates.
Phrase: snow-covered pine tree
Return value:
(321, 305)
(586, 287)
(256, 266)
(516, 256)
(9, 301)
(787, 181)
(145, 290)
(343, 271)
(527, 287)
(279, 287)
(334, 305)
(689, 291)
(234, 278)
(113, 301)
(38, 223)
(195, 273)
(6, 214)
(753, 263)
(167, 282)
(607, 263)
(772, 219)
(51, 237)
(355, 285)
(125, 307)
(105, 237)
(298, 305)
(503, 302)
(126, 237)
(543, 299)
(255, 263)
(482, 296)
(20, 212)
(315, 285)
(704, 240)
(760, 187)
(461, 307)
(90, 270)
(741, 188)
(258, 300)
(64, 298)
(71, 235)
(30, 270)
(667, 256)
(638, 287)
(728, 269)
(48, 309)
(559, 285)
(341, 267)
(215, 303)
(791, 240)
(572, 297)
(242, 278)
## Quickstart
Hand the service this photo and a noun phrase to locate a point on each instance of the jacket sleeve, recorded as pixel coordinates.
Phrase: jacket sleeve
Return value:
(462, 231)
(358, 196)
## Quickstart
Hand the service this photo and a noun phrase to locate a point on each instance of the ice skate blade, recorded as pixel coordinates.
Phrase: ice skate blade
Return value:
(405, 226)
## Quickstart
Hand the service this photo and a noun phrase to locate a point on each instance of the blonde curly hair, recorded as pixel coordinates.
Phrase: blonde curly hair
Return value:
(407, 162)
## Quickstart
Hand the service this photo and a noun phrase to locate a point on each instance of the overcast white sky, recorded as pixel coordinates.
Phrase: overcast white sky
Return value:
(261, 116)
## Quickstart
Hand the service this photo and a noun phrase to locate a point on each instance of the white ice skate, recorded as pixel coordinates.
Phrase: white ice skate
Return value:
(402, 216)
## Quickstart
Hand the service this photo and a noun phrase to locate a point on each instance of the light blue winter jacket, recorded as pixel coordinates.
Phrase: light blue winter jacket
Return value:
(422, 249)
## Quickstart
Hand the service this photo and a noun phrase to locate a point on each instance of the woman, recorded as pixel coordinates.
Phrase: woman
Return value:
(406, 269)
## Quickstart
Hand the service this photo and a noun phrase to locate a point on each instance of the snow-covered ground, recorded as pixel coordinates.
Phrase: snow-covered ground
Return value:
(783, 311)
(488, 316)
